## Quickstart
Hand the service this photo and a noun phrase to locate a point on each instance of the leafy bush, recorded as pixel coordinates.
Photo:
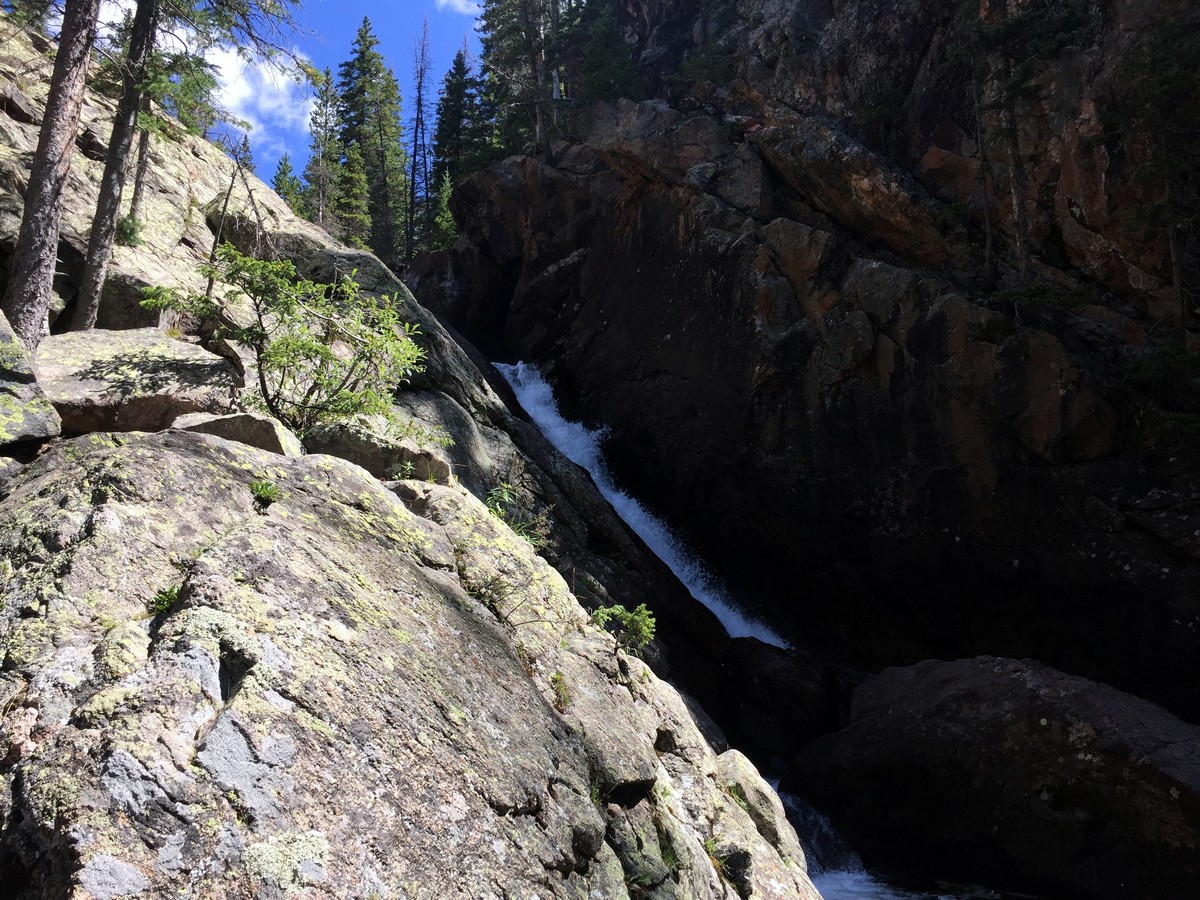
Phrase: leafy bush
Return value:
(164, 601)
(324, 353)
(632, 629)
(264, 492)
(129, 232)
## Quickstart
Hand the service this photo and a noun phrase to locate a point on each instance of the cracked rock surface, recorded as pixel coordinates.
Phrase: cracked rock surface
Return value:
(330, 696)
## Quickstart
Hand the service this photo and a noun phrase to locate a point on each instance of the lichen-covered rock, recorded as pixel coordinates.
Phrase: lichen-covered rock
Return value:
(136, 380)
(254, 429)
(25, 413)
(328, 695)
(1009, 771)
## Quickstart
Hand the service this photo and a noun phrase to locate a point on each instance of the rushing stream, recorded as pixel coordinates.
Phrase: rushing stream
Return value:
(582, 447)
(836, 870)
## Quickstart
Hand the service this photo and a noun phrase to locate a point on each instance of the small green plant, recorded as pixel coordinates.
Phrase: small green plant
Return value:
(739, 796)
(405, 470)
(632, 629)
(718, 861)
(562, 694)
(129, 232)
(264, 492)
(164, 601)
(502, 503)
(323, 353)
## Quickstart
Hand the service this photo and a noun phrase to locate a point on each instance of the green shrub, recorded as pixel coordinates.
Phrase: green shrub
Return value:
(265, 492)
(632, 629)
(129, 232)
(164, 601)
(324, 353)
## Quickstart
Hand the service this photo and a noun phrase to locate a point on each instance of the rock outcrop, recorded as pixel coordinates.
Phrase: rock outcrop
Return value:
(797, 359)
(1012, 771)
(25, 413)
(333, 693)
(135, 380)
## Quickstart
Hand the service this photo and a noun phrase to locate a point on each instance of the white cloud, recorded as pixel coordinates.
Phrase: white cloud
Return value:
(272, 99)
(466, 7)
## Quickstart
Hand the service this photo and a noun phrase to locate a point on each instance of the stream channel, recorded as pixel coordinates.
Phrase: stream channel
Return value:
(835, 870)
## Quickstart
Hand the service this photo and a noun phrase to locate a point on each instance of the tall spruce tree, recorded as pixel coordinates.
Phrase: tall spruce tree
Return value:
(462, 133)
(419, 218)
(516, 37)
(370, 112)
(353, 206)
(324, 157)
(287, 185)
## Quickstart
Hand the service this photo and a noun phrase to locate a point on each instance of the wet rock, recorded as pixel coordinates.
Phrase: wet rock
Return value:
(1011, 772)
(254, 429)
(138, 380)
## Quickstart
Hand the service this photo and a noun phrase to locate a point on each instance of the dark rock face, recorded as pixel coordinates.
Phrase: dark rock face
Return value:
(889, 463)
(1009, 770)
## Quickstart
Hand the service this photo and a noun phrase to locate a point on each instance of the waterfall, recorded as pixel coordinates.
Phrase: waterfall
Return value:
(835, 869)
(584, 448)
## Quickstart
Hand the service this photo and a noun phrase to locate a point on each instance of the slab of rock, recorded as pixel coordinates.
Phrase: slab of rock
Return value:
(254, 429)
(1010, 772)
(333, 697)
(402, 456)
(25, 413)
(137, 380)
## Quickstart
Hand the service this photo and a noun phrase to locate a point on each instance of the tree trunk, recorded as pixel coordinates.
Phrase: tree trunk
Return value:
(984, 172)
(112, 184)
(139, 175)
(27, 297)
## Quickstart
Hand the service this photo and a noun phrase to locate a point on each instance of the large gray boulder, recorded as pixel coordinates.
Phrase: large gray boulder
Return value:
(137, 380)
(329, 695)
(254, 429)
(25, 413)
(1009, 772)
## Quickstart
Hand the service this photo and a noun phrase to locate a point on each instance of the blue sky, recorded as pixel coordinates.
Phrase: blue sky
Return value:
(277, 107)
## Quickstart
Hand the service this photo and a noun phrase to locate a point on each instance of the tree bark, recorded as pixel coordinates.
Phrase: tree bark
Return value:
(139, 175)
(112, 184)
(27, 297)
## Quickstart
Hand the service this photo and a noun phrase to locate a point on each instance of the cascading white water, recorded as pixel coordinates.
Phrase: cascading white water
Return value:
(837, 871)
(583, 447)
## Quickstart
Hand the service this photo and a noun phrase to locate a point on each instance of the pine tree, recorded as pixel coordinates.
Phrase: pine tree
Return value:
(142, 34)
(287, 185)
(27, 295)
(419, 216)
(370, 113)
(353, 207)
(324, 157)
(516, 37)
(445, 229)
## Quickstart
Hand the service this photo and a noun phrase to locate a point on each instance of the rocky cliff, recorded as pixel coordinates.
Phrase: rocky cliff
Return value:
(346, 685)
(783, 316)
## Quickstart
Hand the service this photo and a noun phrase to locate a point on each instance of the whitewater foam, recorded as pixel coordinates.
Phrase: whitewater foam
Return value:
(583, 446)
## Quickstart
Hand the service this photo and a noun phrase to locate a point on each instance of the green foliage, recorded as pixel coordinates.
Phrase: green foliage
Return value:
(164, 601)
(462, 136)
(265, 492)
(632, 629)
(369, 109)
(352, 206)
(562, 694)
(606, 68)
(502, 502)
(129, 232)
(324, 353)
(320, 194)
(445, 229)
(287, 185)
